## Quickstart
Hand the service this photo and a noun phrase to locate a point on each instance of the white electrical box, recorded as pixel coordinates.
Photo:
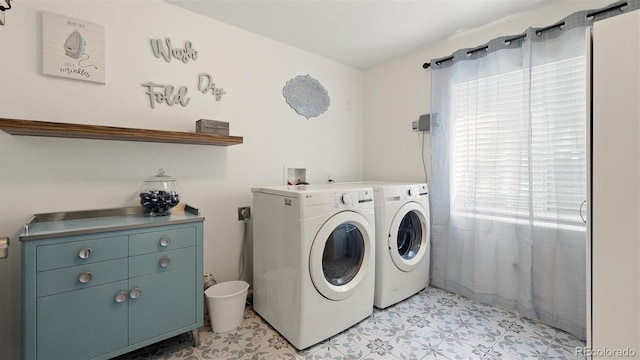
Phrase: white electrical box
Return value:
(295, 175)
(424, 122)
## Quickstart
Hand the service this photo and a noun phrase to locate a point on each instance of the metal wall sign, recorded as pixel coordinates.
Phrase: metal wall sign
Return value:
(166, 51)
(205, 83)
(159, 93)
(170, 94)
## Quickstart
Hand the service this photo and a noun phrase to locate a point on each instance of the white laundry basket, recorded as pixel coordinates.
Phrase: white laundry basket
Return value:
(226, 304)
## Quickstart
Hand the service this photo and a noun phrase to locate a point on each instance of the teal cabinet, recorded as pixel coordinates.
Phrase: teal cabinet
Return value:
(163, 304)
(81, 324)
(95, 287)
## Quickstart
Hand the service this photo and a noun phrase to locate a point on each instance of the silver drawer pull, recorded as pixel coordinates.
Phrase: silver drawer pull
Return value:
(135, 293)
(85, 277)
(121, 296)
(85, 253)
(165, 241)
(164, 262)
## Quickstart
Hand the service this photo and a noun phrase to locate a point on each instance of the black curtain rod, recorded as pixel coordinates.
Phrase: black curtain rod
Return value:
(550, 27)
(538, 32)
(517, 37)
(607, 9)
(481, 48)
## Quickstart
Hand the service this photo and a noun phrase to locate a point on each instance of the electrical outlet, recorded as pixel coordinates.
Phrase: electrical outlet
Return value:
(244, 213)
(328, 178)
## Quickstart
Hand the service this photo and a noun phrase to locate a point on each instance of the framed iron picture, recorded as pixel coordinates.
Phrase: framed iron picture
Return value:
(72, 48)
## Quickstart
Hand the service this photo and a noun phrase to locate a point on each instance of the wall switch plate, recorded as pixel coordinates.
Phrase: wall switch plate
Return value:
(328, 178)
(414, 126)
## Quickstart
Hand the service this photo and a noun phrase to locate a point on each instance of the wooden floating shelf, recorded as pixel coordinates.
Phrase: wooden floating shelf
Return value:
(83, 131)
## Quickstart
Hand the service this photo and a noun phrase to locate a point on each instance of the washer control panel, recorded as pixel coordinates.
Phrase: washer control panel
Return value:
(347, 199)
(351, 199)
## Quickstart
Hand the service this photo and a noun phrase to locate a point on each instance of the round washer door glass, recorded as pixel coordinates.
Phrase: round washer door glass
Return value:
(343, 254)
(340, 256)
(409, 236)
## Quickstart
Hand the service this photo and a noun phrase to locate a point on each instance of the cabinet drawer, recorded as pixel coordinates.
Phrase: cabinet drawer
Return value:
(67, 279)
(151, 263)
(67, 254)
(169, 239)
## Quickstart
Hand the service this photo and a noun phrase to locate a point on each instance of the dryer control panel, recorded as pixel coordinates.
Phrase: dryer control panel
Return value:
(398, 194)
(417, 191)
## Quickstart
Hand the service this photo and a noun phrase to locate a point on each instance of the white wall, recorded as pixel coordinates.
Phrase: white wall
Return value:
(49, 174)
(396, 93)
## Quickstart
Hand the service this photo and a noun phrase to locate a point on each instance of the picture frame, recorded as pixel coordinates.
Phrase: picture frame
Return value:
(72, 48)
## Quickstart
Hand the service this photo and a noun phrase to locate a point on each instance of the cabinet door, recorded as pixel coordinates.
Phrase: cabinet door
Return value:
(81, 324)
(166, 302)
(615, 185)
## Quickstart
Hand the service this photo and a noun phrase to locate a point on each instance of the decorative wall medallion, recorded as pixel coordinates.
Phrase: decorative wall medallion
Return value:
(72, 48)
(306, 96)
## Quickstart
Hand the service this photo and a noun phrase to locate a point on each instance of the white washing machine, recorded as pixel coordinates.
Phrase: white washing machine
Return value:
(313, 259)
(402, 239)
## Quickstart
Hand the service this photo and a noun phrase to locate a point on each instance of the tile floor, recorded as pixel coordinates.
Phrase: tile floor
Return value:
(433, 324)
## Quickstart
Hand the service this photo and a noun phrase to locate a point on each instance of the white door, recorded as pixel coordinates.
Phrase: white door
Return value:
(340, 254)
(409, 236)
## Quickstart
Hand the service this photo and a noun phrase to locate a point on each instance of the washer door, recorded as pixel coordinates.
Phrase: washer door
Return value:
(340, 254)
(409, 236)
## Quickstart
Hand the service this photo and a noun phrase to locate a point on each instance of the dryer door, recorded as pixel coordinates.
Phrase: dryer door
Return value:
(409, 236)
(340, 254)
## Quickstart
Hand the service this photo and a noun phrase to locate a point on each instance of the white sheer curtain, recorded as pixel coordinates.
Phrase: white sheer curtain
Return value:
(509, 175)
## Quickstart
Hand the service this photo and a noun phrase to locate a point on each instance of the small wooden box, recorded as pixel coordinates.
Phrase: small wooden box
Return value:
(212, 127)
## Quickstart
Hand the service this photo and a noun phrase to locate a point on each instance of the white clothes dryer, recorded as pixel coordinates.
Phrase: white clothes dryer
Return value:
(313, 259)
(402, 239)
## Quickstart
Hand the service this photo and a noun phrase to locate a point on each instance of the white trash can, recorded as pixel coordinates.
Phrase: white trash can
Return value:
(226, 304)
